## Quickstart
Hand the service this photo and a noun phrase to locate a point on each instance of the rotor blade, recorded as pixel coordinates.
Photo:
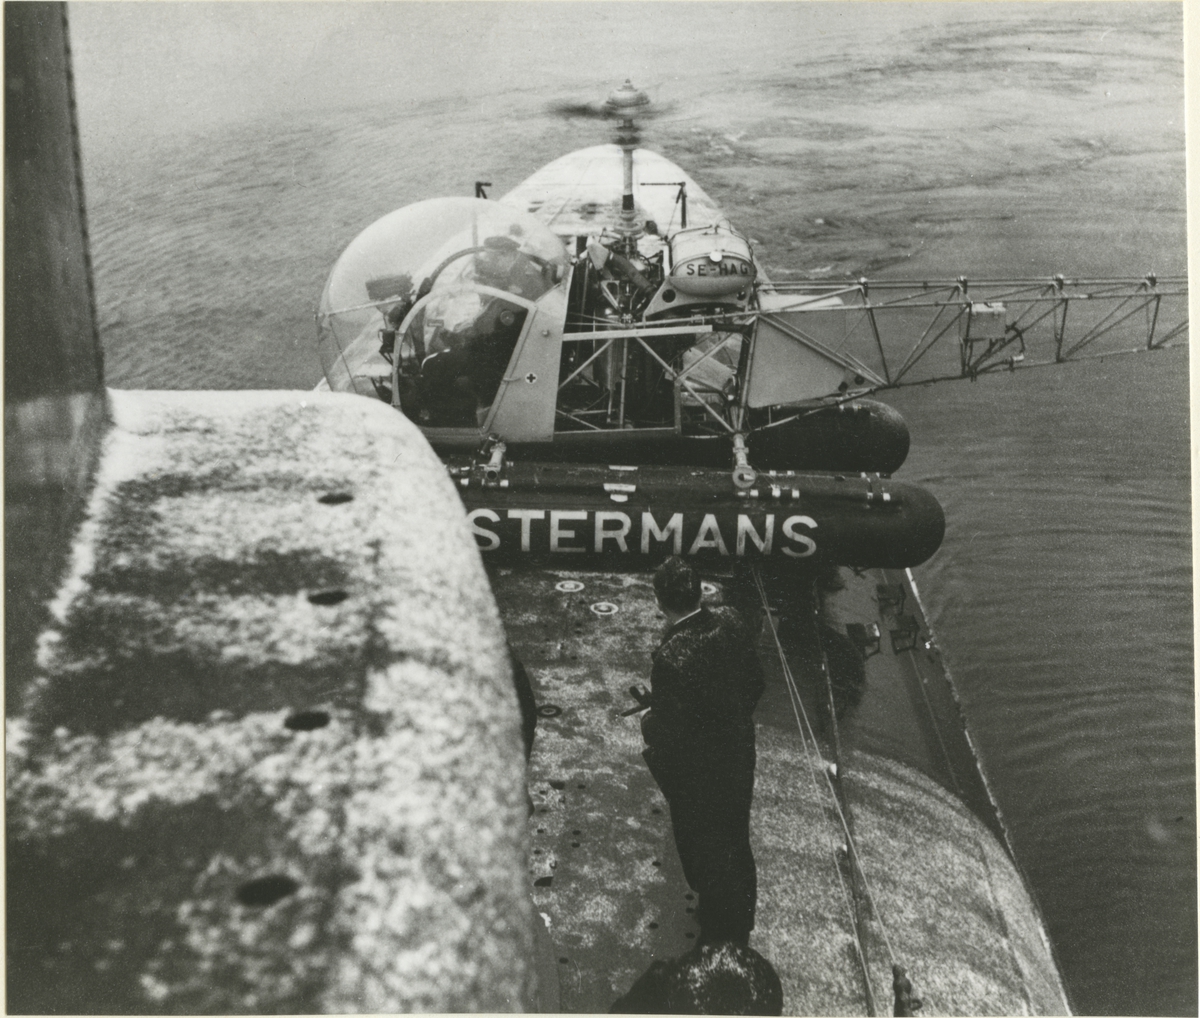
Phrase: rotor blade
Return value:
(566, 109)
(578, 110)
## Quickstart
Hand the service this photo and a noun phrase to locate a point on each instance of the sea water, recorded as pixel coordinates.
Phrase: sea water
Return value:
(232, 151)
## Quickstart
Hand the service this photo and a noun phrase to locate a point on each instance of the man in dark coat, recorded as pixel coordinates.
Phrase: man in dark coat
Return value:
(705, 682)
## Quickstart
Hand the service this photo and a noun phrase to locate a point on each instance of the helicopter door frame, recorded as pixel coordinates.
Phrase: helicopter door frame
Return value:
(419, 306)
(524, 407)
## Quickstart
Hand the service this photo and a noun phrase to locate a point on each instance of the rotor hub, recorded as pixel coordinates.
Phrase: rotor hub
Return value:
(626, 101)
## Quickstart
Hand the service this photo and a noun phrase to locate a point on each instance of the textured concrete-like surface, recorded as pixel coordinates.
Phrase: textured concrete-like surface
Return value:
(954, 909)
(946, 897)
(271, 760)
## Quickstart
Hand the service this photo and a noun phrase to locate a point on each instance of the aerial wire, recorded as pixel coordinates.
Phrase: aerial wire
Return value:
(807, 733)
(798, 711)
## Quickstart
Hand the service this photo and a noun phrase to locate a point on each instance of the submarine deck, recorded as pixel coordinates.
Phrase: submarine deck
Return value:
(935, 889)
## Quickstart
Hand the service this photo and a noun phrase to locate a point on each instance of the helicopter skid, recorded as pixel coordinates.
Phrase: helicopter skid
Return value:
(860, 436)
(637, 515)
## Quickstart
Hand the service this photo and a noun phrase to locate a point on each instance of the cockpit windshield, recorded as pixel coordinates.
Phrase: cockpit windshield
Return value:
(424, 290)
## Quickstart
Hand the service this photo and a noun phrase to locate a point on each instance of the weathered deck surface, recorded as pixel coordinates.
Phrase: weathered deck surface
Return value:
(271, 760)
(605, 876)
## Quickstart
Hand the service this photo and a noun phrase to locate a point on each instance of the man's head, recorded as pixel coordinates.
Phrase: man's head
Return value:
(677, 586)
(724, 978)
(494, 265)
(718, 978)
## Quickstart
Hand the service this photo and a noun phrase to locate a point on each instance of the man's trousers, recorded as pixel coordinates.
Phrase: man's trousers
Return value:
(710, 816)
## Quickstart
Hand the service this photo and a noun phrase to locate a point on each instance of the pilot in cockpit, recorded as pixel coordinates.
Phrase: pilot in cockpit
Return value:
(464, 363)
(502, 264)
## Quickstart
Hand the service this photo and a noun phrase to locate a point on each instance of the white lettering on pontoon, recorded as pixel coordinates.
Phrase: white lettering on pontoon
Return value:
(650, 529)
(490, 536)
(558, 534)
(789, 531)
(610, 531)
(603, 533)
(709, 536)
(526, 516)
(745, 528)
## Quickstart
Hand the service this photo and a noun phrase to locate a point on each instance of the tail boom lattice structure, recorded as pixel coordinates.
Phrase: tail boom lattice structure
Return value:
(901, 333)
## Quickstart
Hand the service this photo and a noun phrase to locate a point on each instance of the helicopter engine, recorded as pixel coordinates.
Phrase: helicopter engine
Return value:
(620, 280)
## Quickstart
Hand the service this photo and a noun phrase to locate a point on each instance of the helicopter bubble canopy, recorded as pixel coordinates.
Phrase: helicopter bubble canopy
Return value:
(459, 246)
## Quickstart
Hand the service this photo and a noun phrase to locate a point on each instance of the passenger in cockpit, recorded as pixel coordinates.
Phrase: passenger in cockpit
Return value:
(503, 265)
(460, 353)
(447, 397)
(463, 371)
(489, 343)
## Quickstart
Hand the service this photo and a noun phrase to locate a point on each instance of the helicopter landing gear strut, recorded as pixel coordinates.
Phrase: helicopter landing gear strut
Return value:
(744, 474)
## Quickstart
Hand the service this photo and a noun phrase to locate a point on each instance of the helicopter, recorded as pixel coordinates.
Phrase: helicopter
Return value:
(608, 373)
(610, 377)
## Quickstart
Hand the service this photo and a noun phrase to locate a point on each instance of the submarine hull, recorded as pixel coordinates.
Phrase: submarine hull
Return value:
(604, 873)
